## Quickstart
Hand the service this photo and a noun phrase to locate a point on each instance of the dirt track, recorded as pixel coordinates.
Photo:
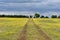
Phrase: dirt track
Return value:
(23, 35)
(42, 33)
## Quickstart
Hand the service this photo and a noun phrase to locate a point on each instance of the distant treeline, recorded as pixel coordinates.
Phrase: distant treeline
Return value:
(16, 16)
(42, 16)
(36, 15)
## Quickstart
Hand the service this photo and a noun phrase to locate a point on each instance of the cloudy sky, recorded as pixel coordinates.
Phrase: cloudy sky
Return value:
(46, 7)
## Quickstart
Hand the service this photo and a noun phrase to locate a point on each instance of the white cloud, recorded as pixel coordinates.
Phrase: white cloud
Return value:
(50, 13)
(17, 13)
(29, 5)
(53, 0)
(44, 3)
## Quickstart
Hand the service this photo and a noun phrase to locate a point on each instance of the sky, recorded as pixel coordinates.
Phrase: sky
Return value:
(29, 7)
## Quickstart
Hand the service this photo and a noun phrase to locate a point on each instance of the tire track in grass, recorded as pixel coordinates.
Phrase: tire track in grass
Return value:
(23, 34)
(37, 34)
(42, 33)
(32, 33)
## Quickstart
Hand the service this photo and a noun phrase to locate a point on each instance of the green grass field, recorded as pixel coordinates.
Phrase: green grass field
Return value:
(50, 27)
(11, 28)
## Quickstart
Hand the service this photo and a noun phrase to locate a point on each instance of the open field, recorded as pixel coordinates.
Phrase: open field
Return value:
(50, 26)
(10, 28)
(29, 29)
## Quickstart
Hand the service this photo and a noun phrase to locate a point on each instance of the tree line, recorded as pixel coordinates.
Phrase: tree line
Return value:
(36, 15)
(15, 16)
(42, 16)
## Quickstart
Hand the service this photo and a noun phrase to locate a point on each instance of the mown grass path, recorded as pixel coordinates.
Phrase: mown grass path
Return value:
(23, 34)
(42, 33)
(32, 32)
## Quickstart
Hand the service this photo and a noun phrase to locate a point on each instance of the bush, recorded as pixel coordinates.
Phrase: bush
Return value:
(36, 15)
(54, 16)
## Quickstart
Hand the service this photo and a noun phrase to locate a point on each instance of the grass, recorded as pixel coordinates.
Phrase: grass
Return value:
(32, 32)
(50, 27)
(11, 27)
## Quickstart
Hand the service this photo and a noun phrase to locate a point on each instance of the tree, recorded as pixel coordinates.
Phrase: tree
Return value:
(54, 16)
(37, 15)
(59, 16)
(42, 16)
(30, 16)
(46, 17)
